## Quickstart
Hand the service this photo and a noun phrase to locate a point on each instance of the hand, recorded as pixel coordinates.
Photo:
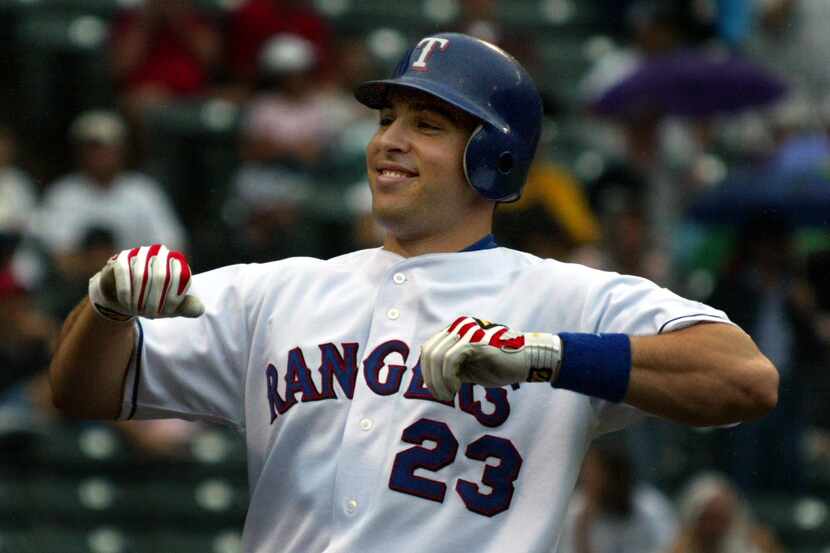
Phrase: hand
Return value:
(150, 281)
(477, 351)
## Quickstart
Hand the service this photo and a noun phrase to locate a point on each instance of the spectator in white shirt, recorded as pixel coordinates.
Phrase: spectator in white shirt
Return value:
(104, 194)
(714, 518)
(611, 513)
(17, 196)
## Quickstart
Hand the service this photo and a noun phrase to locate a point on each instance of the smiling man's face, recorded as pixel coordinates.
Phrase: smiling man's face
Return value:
(415, 165)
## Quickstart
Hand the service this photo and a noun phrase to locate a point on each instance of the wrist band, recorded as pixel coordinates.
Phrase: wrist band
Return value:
(597, 365)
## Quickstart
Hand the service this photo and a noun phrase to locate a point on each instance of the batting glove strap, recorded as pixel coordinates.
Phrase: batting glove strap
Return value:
(106, 307)
(544, 356)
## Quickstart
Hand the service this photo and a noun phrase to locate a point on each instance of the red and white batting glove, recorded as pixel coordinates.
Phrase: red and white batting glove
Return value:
(150, 281)
(481, 352)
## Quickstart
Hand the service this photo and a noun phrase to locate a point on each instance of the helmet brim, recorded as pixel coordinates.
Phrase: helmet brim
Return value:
(375, 94)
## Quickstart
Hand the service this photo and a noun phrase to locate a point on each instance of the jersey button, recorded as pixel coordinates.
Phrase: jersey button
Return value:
(366, 424)
(399, 278)
(393, 313)
(350, 506)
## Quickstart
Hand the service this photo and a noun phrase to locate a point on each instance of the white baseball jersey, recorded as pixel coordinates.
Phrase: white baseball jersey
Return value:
(317, 361)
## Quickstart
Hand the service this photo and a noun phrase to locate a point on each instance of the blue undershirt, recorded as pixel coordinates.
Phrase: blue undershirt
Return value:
(486, 243)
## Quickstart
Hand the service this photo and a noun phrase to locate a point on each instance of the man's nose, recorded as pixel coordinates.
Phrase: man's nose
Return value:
(394, 137)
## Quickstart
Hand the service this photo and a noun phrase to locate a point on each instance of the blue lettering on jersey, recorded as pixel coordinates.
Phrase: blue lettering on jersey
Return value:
(377, 360)
(418, 390)
(496, 396)
(275, 402)
(340, 363)
(344, 367)
(298, 378)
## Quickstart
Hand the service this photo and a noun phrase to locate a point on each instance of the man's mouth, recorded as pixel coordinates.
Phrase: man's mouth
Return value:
(394, 174)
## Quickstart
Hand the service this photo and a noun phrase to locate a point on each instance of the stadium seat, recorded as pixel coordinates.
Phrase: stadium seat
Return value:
(797, 520)
(63, 31)
(204, 504)
(95, 498)
(179, 541)
(74, 448)
(15, 502)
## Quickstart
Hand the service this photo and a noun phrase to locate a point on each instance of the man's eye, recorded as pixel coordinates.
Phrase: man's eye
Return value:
(385, 121)
(427, 125)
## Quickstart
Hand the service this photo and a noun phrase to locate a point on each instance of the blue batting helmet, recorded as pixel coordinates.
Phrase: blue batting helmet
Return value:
(486, 82)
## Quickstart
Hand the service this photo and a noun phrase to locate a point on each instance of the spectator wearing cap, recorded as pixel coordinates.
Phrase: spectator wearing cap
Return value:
(102, 194)
(295, 116)
(287, 128)
(254, 22)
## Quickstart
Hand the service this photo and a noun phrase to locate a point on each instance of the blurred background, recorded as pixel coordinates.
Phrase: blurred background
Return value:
(685, 141)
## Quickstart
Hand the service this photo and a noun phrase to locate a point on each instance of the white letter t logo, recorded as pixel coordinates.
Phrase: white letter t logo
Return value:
(428, 44)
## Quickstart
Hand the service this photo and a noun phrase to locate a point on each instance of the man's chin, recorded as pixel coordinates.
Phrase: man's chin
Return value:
(397, 220)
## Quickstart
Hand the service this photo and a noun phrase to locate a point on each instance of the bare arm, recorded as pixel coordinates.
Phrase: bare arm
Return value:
(706, 374)
(89, 365)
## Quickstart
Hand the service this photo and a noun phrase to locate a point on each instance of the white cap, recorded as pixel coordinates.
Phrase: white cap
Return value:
(287, 53)
(795, 111)
(98, 126)
(824, 111)
(359, 198)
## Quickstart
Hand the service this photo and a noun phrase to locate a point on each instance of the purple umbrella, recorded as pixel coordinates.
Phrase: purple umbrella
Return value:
(800, 196)
(691, 83)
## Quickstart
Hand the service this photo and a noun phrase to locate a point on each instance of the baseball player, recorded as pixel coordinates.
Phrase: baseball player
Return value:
(393, 397)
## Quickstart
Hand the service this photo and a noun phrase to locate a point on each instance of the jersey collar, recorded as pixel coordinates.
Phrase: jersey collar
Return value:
(486, 243)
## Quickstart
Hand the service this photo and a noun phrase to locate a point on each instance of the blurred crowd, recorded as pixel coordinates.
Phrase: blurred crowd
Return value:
(691, 147)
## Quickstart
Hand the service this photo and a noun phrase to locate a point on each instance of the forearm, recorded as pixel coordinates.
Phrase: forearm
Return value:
(707, 374)
(90, 363)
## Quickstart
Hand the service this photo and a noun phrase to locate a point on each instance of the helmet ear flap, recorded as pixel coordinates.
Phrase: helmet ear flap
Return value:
(491, 164)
